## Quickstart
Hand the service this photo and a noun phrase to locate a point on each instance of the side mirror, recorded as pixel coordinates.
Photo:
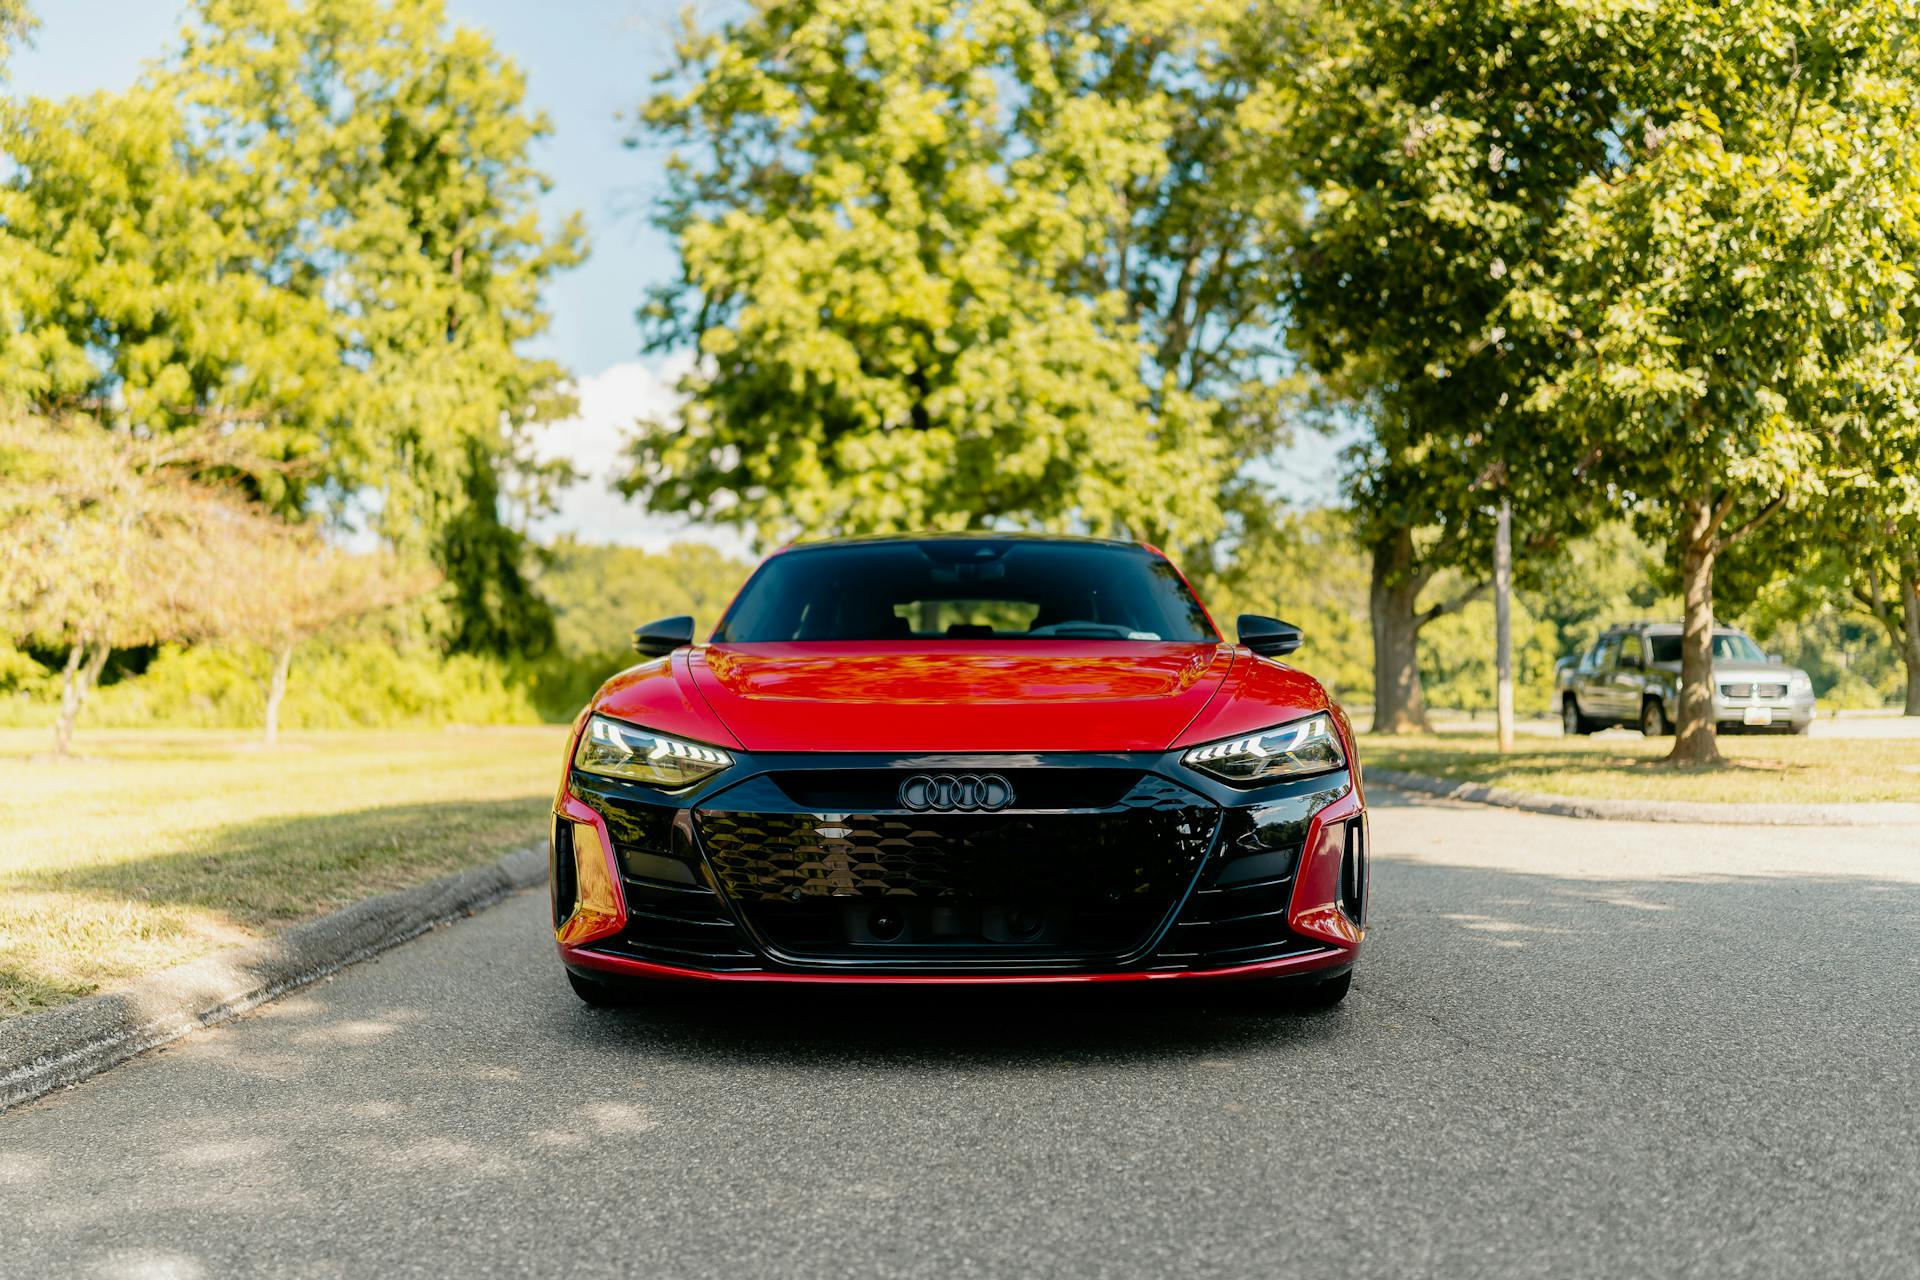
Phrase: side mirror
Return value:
(1776, 659)
(657, 639)
(1269, 637)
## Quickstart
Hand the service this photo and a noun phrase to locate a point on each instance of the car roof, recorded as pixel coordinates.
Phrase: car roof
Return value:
(1665, 629)
(969, 535)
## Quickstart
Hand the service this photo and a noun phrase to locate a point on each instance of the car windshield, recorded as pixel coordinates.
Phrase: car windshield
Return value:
(966, 589)
(1728, 646)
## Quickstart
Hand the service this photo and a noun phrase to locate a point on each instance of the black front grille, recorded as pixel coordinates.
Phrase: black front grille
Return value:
(900, 887)
(679, 924)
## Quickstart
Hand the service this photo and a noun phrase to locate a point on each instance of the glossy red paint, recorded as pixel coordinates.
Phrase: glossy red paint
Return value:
(982, 697)
(1312, 962)
(573, 811)
(1315, 910)
(1257, 694)
(1031, 695)
(661, 695)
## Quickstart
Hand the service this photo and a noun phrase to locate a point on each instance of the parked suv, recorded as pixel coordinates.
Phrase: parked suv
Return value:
(1631, 675)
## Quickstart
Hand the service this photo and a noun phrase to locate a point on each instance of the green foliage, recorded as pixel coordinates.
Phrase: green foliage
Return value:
(363, 684)
(16, 26)
(903, 233)
(1440, 141)
(1731, 296)
(1307, 568)
(1591, 583)
(1457, 659)
(602, 593)
(21, 676)
(1730, 303)
(314, 225)
(494, 606)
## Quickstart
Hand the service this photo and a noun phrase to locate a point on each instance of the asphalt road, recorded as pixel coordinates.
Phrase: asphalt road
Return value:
(1575, 1049)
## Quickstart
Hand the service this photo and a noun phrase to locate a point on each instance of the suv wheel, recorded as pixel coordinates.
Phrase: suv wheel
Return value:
(1653, 719)
(1572, 723)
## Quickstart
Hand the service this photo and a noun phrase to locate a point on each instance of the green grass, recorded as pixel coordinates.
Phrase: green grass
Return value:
(157, 846)
(1758, 770)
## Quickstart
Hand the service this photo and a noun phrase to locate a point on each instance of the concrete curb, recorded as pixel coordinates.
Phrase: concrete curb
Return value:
(1685, 811)
(44, 1051)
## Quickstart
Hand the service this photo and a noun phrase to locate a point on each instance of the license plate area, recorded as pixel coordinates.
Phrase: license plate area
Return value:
(1758, 716)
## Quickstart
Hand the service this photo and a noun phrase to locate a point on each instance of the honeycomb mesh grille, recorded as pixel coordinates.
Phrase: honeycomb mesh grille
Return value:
(1097, 881)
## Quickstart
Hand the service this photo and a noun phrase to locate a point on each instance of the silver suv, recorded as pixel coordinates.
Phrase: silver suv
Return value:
(1631, 675)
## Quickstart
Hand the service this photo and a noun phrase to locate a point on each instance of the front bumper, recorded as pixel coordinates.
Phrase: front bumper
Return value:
(1754, 711)
(806, 868)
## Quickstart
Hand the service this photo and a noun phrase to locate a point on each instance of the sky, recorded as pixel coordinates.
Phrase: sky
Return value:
(587, 62)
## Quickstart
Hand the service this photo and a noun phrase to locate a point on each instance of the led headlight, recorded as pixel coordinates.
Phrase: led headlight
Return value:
(1799, 682)
(616, 749)
(1296, 750)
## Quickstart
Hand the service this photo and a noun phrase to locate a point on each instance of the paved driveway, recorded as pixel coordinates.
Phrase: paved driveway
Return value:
(1576, 1049)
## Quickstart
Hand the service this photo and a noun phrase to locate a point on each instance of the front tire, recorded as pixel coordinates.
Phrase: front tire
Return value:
(1326, 994)
(1572, 723)
(600, 995)
(1653, 719)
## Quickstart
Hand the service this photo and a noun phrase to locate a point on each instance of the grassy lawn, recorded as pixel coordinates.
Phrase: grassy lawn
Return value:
(1619, 766)
(158, 846)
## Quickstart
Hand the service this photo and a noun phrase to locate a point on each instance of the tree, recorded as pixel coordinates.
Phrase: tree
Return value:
(283, 586)
(1306, 567)
(1886, 584)
(16, 26)
(1860, 548)
(601, 593)
(103, 544)
(314, 226)
(1731, 300)
(905, 243)
(1438, 142)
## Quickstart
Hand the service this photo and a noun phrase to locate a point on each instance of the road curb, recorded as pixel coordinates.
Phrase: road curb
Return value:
(41, 1052)
(1882, 814)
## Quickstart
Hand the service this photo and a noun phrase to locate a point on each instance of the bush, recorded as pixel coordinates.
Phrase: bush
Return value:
(358, 685)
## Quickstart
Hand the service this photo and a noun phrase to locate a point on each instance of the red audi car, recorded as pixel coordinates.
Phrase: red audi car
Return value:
(988, 759)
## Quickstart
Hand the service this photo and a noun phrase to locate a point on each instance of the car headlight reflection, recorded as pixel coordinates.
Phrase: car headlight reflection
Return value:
(1296, 750)
(616, 749)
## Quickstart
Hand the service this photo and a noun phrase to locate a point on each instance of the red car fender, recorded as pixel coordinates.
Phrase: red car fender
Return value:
(1315, 910)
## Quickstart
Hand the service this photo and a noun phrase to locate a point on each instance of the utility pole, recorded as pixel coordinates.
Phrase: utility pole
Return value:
(1503, 624)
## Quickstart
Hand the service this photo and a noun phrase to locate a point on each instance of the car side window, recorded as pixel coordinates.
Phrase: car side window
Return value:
(1609, 650)
(1590, 660)
(1630, 647)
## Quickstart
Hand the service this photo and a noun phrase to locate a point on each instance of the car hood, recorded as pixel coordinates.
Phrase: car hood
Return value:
(927, 696)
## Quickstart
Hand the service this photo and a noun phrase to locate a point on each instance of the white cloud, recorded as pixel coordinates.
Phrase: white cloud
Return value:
(594, 441)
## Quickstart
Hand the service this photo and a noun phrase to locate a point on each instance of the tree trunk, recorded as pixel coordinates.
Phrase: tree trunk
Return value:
(1693, 735)
(70, 697)
(1503, 627)
(1398, 703)
(1910, 651)
(277, 690)
(77, 679)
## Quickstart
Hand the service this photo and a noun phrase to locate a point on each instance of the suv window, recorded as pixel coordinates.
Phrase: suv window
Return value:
(1728, 646)
(1604, 653)
(1630, 647)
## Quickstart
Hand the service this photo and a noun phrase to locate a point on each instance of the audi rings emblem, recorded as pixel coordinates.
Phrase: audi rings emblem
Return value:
(955, 792)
